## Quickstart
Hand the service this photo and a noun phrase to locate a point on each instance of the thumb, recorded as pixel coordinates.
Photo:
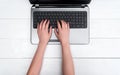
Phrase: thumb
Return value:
(56, 33)
(50, 31)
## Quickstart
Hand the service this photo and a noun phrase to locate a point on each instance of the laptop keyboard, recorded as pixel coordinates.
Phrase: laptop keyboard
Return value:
(76, 19)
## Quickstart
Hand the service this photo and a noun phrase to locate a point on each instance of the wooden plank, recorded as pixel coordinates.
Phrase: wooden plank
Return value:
(53, 66)
(105, 9)
(21, 9)
(98, 48)
(15, 28)
(15, 9)
(105, 28)
(20, 28)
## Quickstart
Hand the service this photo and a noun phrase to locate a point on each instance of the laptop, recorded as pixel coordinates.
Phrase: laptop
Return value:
(76, 12)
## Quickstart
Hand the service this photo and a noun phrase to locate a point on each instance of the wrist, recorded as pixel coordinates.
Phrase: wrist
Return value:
(65, 43)
(42, 44)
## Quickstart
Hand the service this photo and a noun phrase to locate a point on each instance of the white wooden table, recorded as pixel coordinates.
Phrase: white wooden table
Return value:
(100, 57)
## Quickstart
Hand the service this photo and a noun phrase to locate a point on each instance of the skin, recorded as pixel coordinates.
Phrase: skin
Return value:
(62, 33)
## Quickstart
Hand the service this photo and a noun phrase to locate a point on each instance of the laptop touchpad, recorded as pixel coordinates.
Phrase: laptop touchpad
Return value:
(53, 36)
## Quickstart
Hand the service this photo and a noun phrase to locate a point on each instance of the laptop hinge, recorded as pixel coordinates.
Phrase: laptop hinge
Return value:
(36, 5)
(59, 5)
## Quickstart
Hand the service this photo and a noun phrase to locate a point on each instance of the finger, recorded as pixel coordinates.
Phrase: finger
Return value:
(47, 24)
(56, 33)
(68, 25)
(58, 24)
(44, 23)
(50, 31)
(63, 24)
(40, 25)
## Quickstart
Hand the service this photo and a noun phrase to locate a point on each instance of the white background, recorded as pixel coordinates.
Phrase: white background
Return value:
(100, 57)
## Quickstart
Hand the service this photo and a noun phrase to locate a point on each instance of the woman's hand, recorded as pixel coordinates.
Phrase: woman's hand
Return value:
(62, 33)
(43, 33)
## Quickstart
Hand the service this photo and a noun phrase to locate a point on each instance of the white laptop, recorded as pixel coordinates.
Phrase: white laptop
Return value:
(76, 12)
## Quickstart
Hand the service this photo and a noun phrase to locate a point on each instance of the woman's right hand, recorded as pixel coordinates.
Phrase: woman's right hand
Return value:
(62, 32)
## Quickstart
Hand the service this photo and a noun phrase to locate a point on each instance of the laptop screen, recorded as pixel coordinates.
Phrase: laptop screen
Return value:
(59, 1)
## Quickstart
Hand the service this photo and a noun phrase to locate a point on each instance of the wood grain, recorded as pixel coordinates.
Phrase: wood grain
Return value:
(53, 66)
(98, 48)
